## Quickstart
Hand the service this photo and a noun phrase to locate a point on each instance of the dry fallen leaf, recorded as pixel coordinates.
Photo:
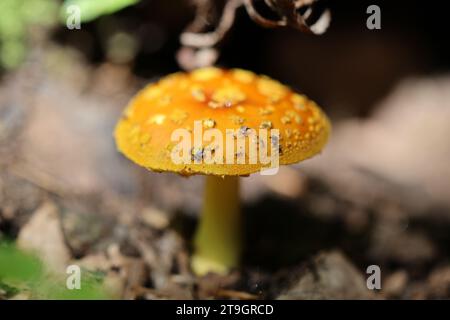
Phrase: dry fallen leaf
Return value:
(43, 236)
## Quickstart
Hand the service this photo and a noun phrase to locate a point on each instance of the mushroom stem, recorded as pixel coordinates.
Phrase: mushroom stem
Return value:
(218, 238)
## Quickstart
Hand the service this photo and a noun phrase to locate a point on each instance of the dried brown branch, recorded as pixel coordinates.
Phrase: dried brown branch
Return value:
(210, 39)
(199, 47)
(288, 11)
(253, 13)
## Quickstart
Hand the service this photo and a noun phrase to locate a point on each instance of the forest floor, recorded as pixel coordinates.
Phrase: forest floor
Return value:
(378, 195)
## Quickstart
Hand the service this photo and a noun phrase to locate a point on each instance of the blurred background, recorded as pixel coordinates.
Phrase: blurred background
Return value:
(378, 194)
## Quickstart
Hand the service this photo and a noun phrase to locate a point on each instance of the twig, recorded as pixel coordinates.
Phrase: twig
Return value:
(287, 10)
(210, 39)
(199, 48)
(233, 294)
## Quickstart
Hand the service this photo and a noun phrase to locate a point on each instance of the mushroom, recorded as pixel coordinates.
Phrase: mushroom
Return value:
(162, 124)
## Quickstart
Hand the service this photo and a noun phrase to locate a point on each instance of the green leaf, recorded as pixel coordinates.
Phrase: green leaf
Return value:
(20, 271)
(54, 288)
(17, 18)
(7, 291)
(91, 10)
(16, 265)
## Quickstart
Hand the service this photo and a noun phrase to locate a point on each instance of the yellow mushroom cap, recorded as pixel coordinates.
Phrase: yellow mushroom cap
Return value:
(221, 99)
